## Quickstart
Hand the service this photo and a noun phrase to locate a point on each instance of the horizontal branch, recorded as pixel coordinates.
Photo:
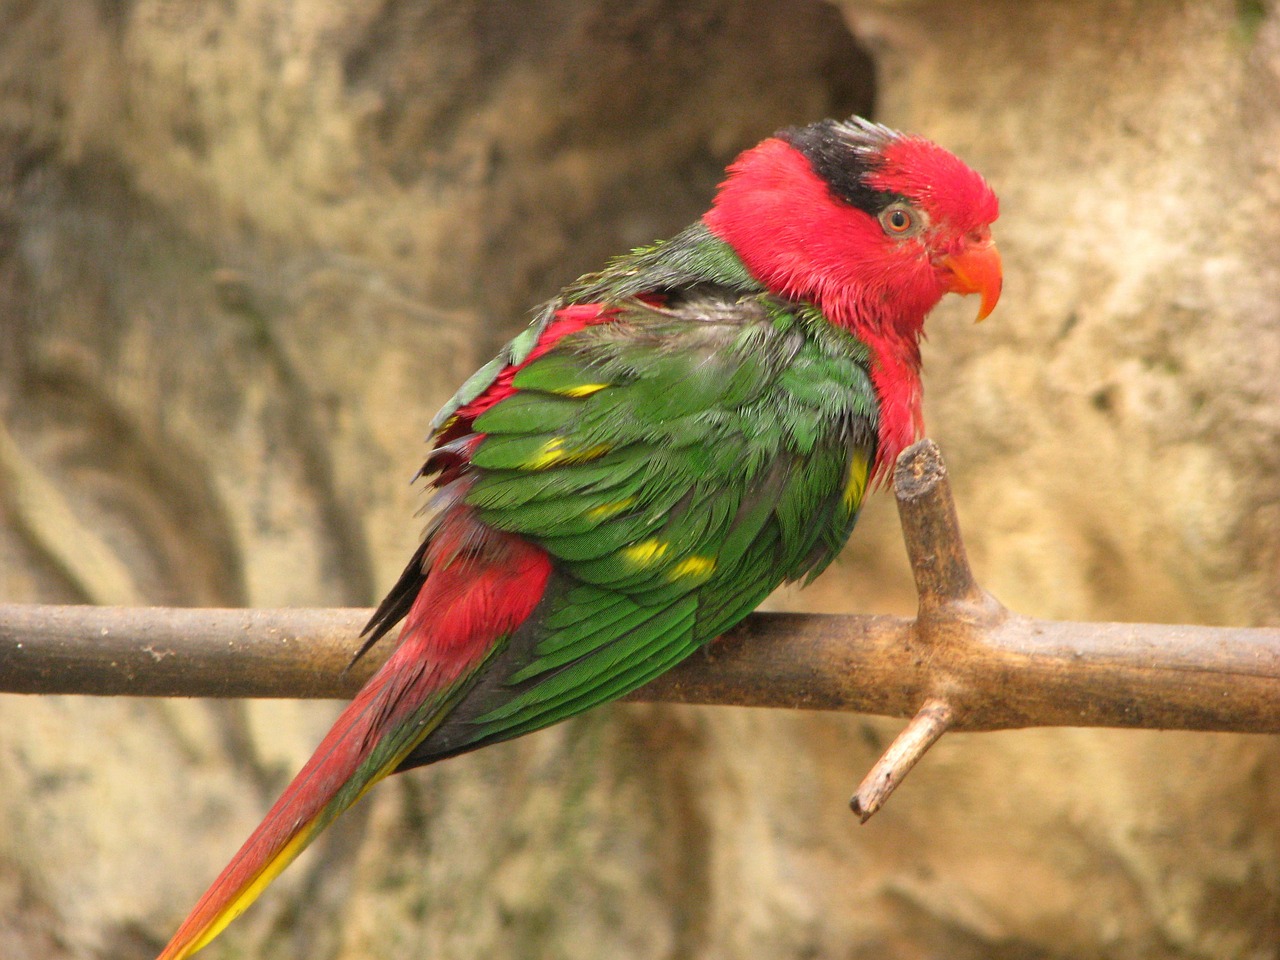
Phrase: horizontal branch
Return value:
(1039, 672)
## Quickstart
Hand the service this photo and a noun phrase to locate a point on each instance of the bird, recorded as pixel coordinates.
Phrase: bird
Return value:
(668, 441)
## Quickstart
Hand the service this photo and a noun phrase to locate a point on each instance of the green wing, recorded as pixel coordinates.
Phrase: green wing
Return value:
(678, 464)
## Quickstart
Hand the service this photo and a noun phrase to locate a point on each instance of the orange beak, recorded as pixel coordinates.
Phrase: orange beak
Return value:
(976, 269)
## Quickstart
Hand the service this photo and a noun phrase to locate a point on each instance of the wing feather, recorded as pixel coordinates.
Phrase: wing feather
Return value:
(678, 463)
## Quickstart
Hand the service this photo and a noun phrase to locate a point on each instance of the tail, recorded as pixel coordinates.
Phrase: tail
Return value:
(463, 613)
(363, 746)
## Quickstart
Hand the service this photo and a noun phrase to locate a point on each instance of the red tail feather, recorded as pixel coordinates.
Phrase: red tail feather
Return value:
(481, 585)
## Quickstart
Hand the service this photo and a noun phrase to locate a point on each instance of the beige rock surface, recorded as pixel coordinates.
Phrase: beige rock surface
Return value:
(247, 249)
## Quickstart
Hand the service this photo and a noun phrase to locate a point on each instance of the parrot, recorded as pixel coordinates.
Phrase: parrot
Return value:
(667, 442)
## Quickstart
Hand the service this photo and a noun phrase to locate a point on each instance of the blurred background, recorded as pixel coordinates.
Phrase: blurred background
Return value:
(247, 249)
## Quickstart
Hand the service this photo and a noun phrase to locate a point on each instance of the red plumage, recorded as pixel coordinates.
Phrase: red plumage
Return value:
(483, 584)
(918, 168)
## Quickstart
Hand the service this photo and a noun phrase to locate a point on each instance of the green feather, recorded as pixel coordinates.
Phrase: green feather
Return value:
(528, 412)
(584, 603)
(678, 460)
(557, 373)
(597, 670)
(500, 489)
(566, 646)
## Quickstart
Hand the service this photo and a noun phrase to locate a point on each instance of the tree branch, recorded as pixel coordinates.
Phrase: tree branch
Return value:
(964, 663)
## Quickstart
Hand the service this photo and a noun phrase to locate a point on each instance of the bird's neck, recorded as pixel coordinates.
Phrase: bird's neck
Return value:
(894, 344)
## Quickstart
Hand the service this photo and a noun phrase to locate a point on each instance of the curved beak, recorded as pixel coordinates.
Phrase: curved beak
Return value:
(976, 269)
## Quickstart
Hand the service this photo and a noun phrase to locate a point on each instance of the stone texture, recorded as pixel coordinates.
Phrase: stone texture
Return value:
(247, 249)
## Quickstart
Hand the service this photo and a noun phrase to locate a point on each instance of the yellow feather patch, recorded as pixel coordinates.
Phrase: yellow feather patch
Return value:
(275, 866)
(646, 552)
(606, 510)
(554, 452)
(270, 871)
(856, 482)
(693, 567)
(581, 390)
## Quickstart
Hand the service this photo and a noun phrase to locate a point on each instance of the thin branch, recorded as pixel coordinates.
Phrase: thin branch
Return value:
(964, 659)
(924, 730)
(931, 529)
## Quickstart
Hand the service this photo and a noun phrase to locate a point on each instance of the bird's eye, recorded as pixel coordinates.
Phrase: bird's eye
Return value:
(898, 220)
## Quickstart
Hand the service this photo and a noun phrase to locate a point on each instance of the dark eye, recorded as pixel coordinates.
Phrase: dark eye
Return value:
(898, 220)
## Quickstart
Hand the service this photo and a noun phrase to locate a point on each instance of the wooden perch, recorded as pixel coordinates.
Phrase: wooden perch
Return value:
(964, 663)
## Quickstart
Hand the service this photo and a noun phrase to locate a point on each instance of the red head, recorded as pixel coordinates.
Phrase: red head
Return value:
(874, 227)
